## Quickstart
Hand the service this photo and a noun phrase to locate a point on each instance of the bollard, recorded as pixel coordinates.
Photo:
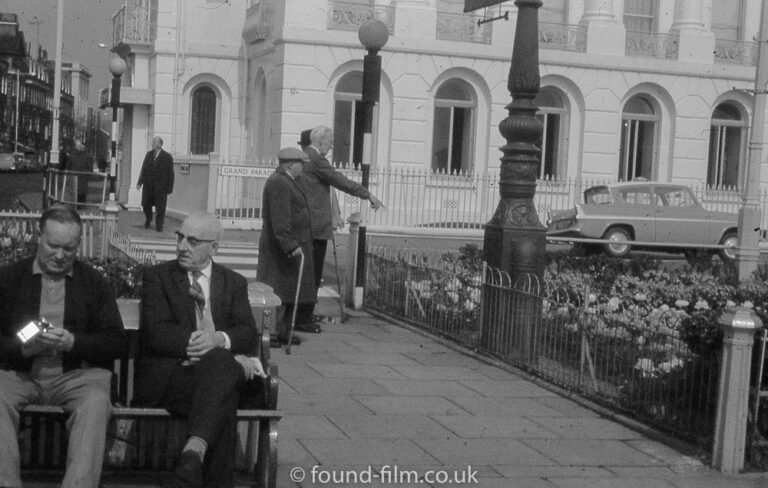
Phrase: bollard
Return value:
(354, 298)
(264, 305)
(739, 325)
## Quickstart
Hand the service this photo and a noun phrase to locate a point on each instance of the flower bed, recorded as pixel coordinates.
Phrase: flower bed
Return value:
(17, 241)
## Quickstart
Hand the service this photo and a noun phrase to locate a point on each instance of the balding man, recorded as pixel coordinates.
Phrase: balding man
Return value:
(199, 346)
(156, 178)
(318, 178)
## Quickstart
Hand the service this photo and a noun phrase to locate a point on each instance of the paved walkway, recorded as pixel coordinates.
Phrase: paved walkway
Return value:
(371, 393)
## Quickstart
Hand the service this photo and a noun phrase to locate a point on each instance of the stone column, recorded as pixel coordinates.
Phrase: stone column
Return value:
(739, 325)
(695, 44)
(605, 34)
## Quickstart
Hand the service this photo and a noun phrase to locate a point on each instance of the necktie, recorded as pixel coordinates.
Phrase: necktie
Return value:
(202, 312)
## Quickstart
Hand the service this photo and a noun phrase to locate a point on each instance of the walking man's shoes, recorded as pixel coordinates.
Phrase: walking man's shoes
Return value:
(309, 327)
(146, 224)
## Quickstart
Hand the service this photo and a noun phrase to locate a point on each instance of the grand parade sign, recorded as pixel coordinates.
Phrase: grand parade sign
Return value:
(247, 171)
(472, 5)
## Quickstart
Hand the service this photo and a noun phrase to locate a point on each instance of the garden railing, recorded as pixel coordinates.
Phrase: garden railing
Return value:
(630, 358)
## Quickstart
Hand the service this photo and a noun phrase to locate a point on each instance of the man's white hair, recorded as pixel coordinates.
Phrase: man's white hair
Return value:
(319, 133)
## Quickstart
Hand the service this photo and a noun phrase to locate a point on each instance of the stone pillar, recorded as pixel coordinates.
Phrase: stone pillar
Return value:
(415, 18)
(739, 325)
(695, 44)
(605, 34)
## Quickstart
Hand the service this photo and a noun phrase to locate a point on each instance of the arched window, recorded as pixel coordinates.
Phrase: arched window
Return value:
(638, 139)
(346, 113)
(726, 145)
(453, 127)
(202, 135)
(554, 116)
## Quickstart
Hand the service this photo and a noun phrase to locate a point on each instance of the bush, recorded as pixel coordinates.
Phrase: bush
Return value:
(123, 276)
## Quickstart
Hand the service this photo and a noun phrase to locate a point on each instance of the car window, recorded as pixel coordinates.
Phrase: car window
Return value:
(599, 195)
(676, 197)
(636, 196)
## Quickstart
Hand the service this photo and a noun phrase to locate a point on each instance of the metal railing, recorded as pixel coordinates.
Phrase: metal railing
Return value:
(81, 188)
(737, 52)
(131, 24)
(420, 199)
(655, 45)
(462, 28)
(121, 247)
(563, 37)
(350, 16)
(258, 21)
(632, 360)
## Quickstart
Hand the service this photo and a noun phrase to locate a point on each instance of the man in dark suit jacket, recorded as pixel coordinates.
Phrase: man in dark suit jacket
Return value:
(156, 177)
(286, 235)
(317, 179)
(69, 365)
(81, 162)
(199, 346)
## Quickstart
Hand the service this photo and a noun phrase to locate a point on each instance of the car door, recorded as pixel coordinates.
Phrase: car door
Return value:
(634, 206)
(679, 217)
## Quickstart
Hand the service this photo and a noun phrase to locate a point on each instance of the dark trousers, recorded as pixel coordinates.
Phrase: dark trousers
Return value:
(306, 310)
(159, 200)
(207, 395)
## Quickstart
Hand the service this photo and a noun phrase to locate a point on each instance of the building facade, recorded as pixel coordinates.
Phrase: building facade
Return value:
(659, 89)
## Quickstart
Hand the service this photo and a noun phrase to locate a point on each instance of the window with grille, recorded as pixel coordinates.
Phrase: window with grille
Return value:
(726, 146)
(640, 15)
(453, 128)
(553, 114)
(639, 126)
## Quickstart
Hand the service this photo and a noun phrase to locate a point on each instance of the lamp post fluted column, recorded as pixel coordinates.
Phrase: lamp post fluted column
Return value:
(117, 67)
(514, 238)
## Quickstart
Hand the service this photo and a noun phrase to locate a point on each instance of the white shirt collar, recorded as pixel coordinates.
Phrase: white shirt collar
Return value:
(206, 271)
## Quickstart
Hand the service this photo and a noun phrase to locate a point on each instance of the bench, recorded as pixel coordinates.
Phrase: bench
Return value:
(143, 444)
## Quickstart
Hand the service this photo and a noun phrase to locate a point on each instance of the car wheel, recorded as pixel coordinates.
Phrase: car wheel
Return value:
(619, 245)
(731, 241)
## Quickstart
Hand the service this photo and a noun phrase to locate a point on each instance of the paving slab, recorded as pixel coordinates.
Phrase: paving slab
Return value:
(586, 428)
(335, 386)
(506, 407)
(508, 388)
(470, 427)
(443, 388)
(591, 452)
(309, 427)
(420, 372)
(457, 453)
(409, 405)
(375, 358)
(339, 370)
(385, 426)
(365, 452)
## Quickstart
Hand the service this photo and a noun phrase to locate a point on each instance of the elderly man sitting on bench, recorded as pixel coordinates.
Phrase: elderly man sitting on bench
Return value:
(198, 339)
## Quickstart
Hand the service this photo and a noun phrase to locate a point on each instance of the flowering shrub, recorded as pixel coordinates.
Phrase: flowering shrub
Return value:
(16, 242)
(124, 277)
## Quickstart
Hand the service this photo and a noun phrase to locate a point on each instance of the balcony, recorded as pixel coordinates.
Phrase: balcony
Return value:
(462, 28)
(131, 26)
(350, 16)
(563, 37)
(652, 45)
(258, 21)
(736, 52)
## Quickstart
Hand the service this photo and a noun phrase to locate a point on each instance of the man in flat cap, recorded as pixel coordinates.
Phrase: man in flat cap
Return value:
(318, 178)
(286, 235)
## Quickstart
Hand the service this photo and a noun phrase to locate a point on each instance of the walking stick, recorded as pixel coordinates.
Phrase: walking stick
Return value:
(338, 280)
(295, 303)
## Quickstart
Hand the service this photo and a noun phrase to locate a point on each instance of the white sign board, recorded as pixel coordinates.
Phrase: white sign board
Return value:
(247, 171)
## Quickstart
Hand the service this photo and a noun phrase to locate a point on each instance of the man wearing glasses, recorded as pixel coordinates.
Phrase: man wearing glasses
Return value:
(199, 345)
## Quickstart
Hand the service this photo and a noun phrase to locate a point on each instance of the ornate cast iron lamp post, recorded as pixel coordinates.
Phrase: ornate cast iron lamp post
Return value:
(117, 67)
(514, 239)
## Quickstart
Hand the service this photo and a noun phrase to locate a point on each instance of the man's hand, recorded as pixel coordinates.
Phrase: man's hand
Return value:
(32, 348)
(200, 342)
(57, 339)
(251, 366)
(138, 187)
(375, 202)
(297, 253)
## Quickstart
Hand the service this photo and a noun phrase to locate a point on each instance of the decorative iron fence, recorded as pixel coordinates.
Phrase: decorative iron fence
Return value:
(350, 15)
(655, 45)
(563, 37)
(418, 198)
(132, 24)
(631, 360)
(462, 28)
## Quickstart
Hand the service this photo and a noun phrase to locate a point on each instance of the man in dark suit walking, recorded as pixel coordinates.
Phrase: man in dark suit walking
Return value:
(156, 178)
(286, 235)
(317, 179)
(81, 162)
(199, 346)
(68, 365)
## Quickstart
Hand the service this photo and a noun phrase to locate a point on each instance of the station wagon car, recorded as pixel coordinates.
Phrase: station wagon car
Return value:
(646, 212)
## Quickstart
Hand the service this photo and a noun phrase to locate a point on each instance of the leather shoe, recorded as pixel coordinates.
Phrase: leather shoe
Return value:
(280, 341)
(309, 327)
(146, 224)
(189, 471)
